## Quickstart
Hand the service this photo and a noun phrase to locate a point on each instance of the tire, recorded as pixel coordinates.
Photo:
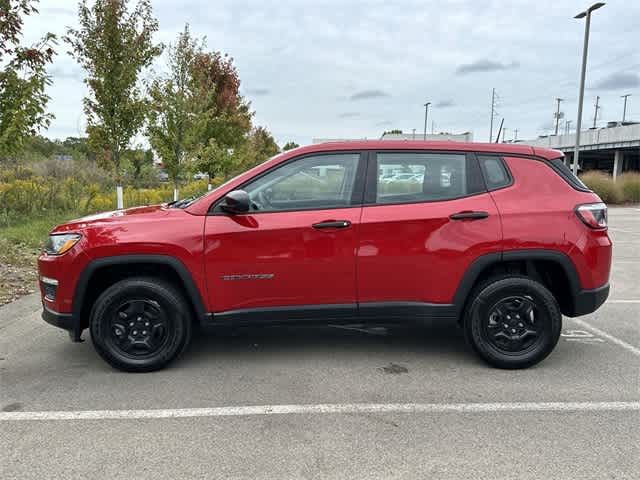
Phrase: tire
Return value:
(140, 324)
(512, 322)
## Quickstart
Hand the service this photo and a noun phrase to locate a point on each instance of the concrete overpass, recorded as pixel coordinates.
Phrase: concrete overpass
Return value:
(613, 149)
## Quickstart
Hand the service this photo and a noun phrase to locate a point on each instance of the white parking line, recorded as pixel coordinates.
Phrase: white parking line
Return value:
(622, 301)
(608, 336)
(321, 409)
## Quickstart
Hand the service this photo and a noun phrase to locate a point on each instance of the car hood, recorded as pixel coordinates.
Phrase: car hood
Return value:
(117, 216)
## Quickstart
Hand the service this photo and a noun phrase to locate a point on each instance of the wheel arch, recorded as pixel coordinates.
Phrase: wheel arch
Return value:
(539, 264)
(160, 265)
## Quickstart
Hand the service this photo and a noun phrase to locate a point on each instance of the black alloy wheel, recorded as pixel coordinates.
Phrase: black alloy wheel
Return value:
(513, 325)
(140, 324)
(139, 328)
(512, 321)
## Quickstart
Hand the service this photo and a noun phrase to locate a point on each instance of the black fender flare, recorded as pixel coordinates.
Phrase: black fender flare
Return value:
(193, 294)
(484, 261)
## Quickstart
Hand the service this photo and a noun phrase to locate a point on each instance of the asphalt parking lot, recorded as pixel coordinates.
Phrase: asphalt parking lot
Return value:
(331, 402)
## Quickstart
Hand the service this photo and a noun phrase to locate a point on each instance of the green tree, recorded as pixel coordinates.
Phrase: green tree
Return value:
(172, 113)
(289, 146)
(114, 45)
(23, 78)
(138, 165)
(223, 116)
(78, 147)
(259, 146)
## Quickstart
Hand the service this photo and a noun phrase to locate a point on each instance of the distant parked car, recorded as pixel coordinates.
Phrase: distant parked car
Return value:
(405, 177)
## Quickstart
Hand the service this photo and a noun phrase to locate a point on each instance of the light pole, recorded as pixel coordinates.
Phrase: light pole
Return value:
(426, 115)
(624, 110)
(558, 114)
(586, 13)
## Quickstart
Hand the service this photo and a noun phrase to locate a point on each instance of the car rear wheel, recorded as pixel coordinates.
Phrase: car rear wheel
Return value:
(140, 324)
(512, 322)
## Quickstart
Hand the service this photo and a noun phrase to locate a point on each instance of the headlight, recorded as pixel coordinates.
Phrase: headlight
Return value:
(58, 244)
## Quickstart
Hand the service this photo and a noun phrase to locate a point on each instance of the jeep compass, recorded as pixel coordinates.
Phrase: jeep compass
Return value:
(498, 239)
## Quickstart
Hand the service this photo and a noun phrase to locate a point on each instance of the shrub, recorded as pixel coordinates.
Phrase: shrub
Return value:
(55, 188)
(630, 185)
(602, 184)
(102, 202)
(194, 189)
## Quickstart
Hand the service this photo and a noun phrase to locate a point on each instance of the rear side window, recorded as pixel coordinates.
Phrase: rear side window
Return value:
(561, 169)
(407, 177)
(495, 173)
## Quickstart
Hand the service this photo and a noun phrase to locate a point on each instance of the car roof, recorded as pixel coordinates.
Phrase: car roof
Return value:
(504, 148)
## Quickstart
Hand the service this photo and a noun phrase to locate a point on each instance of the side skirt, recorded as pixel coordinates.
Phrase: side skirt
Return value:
(376, 312)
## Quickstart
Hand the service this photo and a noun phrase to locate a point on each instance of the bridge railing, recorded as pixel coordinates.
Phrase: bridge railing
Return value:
(601, 138)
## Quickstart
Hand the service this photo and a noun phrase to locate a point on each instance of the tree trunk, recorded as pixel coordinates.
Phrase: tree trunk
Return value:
(116, 164)
(119, 197)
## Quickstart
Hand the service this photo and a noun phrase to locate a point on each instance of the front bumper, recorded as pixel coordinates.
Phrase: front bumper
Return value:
(66, 321)
(588, 301)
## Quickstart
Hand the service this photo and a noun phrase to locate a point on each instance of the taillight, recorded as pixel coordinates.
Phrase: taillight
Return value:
(593, 215)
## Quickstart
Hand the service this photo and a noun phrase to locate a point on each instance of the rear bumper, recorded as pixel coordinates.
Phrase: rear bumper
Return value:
(65, 321)
(588, 301)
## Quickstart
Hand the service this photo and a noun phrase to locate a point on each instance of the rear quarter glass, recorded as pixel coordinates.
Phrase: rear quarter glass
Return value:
(567, 175)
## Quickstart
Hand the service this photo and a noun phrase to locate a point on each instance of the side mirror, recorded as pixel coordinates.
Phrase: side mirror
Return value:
(236, 201)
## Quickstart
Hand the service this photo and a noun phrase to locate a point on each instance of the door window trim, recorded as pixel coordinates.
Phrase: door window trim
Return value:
(356, 195)
(371, 188)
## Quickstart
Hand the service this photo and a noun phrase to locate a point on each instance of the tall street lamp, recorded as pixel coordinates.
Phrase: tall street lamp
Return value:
(426, 115)
(586, 13)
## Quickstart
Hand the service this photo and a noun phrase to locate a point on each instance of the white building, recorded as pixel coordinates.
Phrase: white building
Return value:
(434, 137)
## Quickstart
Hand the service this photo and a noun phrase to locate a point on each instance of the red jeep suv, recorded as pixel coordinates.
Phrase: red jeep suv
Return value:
(499, 239)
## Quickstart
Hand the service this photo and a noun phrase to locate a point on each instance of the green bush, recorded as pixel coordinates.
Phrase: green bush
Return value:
(602, 184)
(630, 185)
(24, 199)
(194, 189)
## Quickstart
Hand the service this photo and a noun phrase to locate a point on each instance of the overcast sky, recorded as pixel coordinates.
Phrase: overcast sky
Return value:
(341, 68)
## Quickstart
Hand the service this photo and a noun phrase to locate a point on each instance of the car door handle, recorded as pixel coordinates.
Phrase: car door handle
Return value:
(469, 215)
(332, 224)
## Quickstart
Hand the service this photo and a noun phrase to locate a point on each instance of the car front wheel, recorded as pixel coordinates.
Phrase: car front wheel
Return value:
(140, 324)
(513, 322)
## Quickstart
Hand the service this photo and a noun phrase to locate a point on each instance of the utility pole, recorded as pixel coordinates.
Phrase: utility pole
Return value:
(558, 114)
(585, 46)
(624, 110)
(515, 135)
(433, 126)
(567, 127)
(414, 133)
(426, 115)
(504, 133)
(595, 113)
(493, 106)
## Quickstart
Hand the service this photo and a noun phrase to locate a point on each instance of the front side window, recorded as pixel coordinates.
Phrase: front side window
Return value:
(314, 182)
(420, 177)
